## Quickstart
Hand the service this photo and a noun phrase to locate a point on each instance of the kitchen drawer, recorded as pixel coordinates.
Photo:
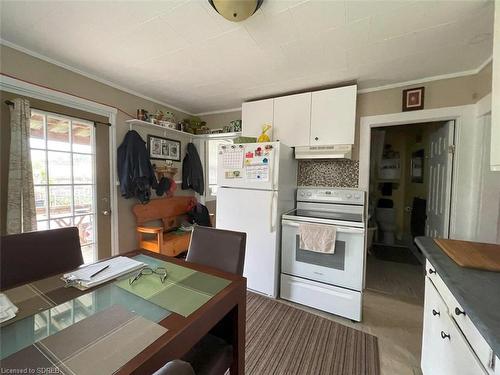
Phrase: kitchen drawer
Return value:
(460, 358)
(475, 339)
(435, 312)
(445, 350)
(338, 301)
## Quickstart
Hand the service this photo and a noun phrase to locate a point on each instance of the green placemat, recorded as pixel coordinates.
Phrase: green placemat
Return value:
(184, 291)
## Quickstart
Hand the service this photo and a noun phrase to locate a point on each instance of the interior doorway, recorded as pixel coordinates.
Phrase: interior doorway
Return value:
(409, 195)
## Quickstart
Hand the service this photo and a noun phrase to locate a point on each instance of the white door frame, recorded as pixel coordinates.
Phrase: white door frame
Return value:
(16, 86)
(464, 184)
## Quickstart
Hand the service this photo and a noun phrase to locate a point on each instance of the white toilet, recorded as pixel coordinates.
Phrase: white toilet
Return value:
(386, 219)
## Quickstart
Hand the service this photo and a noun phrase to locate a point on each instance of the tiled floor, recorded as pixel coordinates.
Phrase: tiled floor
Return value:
(395, 279)
(393, 314)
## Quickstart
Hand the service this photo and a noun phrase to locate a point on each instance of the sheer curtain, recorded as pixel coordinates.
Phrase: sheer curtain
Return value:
(21, 211)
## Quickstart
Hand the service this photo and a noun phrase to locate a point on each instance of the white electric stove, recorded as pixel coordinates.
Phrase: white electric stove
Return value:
(329, 282)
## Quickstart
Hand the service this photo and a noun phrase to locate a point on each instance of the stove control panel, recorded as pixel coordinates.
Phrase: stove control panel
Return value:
(331, 195)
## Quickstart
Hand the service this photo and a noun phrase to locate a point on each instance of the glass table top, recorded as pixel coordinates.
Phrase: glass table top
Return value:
(31, 329)
(49, 319)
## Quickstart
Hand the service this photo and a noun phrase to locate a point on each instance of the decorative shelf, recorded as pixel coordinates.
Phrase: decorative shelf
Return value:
(135, 122)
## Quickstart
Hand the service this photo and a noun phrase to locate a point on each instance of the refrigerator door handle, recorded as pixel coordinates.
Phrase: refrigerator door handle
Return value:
(275, 169)
(272, 213)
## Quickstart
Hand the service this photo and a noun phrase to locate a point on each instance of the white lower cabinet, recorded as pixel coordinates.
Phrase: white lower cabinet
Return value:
(445, 348)
(432, 344)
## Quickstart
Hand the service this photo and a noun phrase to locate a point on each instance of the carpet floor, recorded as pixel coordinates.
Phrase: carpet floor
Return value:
(281, 339)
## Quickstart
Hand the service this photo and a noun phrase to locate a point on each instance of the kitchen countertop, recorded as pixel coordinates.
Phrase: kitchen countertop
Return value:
(478, 292)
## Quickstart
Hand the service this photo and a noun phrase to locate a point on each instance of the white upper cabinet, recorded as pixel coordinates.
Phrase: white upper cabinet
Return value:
(254, 115)
(320, 118)
(333, 116)
(495, 104)
(292, 119)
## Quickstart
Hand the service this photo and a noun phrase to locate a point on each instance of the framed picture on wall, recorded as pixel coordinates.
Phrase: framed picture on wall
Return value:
(417, 166)
(160, 148)
(413, 99)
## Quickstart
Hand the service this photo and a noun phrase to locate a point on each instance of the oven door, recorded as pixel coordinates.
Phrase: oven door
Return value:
(342, 268)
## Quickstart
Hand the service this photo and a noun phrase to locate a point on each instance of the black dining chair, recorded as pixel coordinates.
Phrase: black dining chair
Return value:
(224, 250)
(217, 248)
(27, 257)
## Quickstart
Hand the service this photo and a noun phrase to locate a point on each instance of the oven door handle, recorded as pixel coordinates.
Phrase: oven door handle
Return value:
(339, 229)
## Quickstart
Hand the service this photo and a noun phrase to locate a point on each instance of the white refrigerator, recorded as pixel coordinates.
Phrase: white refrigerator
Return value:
(256, 185)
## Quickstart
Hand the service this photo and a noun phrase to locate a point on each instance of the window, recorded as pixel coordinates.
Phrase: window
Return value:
(212, 147)
(62, 155)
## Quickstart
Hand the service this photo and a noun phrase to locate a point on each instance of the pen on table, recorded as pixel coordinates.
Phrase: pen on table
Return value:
(102, 269)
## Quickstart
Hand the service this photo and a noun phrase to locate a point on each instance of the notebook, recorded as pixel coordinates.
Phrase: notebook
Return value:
(98, 273)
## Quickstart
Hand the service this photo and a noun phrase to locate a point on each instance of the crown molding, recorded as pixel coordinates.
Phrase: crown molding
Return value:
(218, 111)
(393, 85)
(89, 75)
(428, 79)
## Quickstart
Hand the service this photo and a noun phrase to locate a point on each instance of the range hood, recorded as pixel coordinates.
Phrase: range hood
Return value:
(324, 152)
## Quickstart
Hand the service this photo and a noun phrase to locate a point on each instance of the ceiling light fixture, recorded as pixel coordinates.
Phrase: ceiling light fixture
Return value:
(236, 10)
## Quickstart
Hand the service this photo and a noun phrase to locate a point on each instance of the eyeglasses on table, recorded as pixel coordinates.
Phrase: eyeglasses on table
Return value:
(160, 271)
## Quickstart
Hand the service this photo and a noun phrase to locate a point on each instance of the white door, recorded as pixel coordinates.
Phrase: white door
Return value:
(253, 212)
(333, 116)
(254, 115)
(440, 175)
(292, 119)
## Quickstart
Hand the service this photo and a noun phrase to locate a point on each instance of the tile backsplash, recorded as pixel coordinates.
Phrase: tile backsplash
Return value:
(332, 173)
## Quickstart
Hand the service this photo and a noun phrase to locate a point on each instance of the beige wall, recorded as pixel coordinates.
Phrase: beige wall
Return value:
(28, 68)
(219, 120)
(441, 93)
(450, 92)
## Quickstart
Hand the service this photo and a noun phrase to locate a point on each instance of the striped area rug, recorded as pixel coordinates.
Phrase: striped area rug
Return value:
(281, 339)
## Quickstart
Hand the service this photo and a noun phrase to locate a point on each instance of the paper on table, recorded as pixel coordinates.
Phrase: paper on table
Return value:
(118, 266)
(7, 309)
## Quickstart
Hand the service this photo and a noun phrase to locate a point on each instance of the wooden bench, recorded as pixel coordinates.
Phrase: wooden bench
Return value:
(163, 239)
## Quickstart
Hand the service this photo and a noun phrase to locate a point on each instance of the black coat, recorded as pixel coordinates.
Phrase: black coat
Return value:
(192, 171)
(135, 171)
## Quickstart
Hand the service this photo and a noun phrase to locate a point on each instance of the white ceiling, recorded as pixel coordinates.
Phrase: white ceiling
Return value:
(185, 54)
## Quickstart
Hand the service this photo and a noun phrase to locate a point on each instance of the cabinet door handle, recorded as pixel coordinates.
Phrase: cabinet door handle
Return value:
(434, 312)
(316, 138)
(458, 312)
(445, 336)
(431, 271)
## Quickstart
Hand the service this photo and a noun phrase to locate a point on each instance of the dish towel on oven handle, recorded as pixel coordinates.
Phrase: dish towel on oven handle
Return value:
(318, 237)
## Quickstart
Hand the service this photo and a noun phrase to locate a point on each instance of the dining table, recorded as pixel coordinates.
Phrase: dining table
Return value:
(120, 327)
